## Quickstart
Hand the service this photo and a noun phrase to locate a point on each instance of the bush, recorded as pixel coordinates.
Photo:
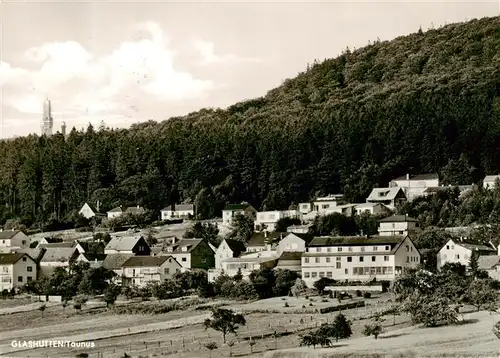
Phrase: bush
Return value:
(358, 293)
(367, 295)
(496, 329)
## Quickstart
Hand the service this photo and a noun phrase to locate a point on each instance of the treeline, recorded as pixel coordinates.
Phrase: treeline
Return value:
(345, 125)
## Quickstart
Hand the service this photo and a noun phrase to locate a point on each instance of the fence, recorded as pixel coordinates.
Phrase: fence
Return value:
(47, 298)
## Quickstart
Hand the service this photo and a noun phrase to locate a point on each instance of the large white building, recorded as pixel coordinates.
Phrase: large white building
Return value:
(141, 270)
(397, 225)
(460, 251)
(358, 258)
(266, 220)
(415, 185)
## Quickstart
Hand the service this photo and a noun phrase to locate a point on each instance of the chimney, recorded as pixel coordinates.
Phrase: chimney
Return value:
(407, 176)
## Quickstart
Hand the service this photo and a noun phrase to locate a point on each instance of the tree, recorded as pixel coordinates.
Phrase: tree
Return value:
(111, 294)
(320, 284)
(42, 309)
(224, 321)
(473, 264)
(372, 330)
(285, 279)
(298, 287)
(264, 281)
(341, 327)
(313, 339)
(283, 223)
(496, 329)
(480, 294)
(241, 227)
(205, 231)
(211, 346)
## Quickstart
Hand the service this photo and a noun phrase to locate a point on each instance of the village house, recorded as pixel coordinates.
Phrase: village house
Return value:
(118, 211)
(179, 211)
(390, 197)
(142, 270)
(244, 264)
(263, 241)
(56, 255)
(299, 229)
(266, 220)
(16, 270)
(293, 242)
(462, 189)
(136, 245)
(415, 185)
(231, 210)
(114, 262)
(489, 181)
(289, 260)
(94, 260)
(358, 258)
(397, 225)
(323, 206)
(305, 208)
(460, 251)
(490, 264)
(370, 208)
(88, 211)
(193, 254)
(11, 240)
(228, 248)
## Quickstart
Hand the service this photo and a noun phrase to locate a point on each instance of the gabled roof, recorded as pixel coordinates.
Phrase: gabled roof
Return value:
(8, 234)
(432, 176)
(123, 243)
(290, 255)
(89, 245)
(94, 257)
(191, 244)
(135, 210)
(491, 177)
(398, 219)
(473, 246)
(58, 254)
(146, 261)
(115, 261)
(57, 245)
(356, 241)
(92, 207)
(36, 253)
(180, 207)
(233, 207)
(12, 258)
(487, 262)
(237, 247)
(118, 209)
(259, 238)
(306, 237)
(380, 194)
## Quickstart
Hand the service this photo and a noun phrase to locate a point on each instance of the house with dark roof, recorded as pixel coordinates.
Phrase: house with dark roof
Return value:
(490, 264)
(114, 262)
(415, 185)
(193, 254)
(289, 260)
(358, 258)
(16, 270)
(264, 241)
(119, 210)
(88, 211)
(390, 197)
(13, 239)
(95, 260)
(398, 225)
(136, 245)
(178, 211)
(56, 256)
(228, 248)
(231, 210)
(142, 270)
(293, 242)
(460, 251)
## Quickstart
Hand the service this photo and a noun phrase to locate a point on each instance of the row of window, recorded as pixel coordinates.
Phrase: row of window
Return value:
(384, 270)
(339, 258)
(349, 249)
(5, 269)
(457, 257)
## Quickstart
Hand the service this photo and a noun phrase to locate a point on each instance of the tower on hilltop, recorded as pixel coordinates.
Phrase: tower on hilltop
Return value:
(63, 129)
(47, 120)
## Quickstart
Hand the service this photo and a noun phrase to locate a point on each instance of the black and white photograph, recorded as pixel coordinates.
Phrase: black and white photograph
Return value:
(262, 179)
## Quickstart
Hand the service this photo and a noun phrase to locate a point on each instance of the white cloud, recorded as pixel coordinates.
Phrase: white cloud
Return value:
(206, 50)
(80, 83)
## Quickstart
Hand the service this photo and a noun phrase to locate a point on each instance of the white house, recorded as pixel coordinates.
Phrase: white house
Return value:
(231, 210)
(299, 229)
(358, 258)
(390, 197)
(490, 264)
(136, 245)
(16, 270)
(293, 242)
(415, 185)
(266, 220)
(56, 256)
(457, 251)
(245, 263)
(118, 211)
(115, 212)
(305, 208)
(177, 211)
(489, 181)
(89, 211)
(94, 260)
(141, 270)
(228, 248)
(371, 208)
(114, 262)
(325, 205)
(13, 239)
(397, 225)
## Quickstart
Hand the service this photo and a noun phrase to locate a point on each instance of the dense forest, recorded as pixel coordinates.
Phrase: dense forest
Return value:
(418, 103)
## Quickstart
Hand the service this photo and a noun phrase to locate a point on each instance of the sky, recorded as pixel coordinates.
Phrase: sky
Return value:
(128, 62)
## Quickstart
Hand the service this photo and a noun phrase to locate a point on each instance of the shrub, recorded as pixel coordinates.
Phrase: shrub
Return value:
(367, 295)
(496, 329)
(372, 330)
(358, 293)
(286, 304)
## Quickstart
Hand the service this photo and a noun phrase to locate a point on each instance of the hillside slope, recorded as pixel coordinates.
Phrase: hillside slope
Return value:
(346, 124)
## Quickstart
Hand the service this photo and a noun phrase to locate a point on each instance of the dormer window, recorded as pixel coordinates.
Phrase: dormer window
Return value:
(24, 258)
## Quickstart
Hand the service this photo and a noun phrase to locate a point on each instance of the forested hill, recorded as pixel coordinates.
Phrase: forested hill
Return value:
(344, 125)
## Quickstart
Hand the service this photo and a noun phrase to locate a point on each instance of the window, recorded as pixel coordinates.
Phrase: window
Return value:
(447, 247)
(24, 242)
(346, 271)
(167, 271)
(29, 269)
(393, 225)
(307, 275)
(339, 265)
(316, 260)
(327, 259)
(329, 274)
(321, 274)
(349, 249)
(453, 247)
(24, 258)
(184, 259)
(314, 274)
(318, 249)
(407, 259)
(457, 256)
(361, 259)
(401, 232)
(326, 206)
(362, 249)
(349, 259)
(29, 278)
(416, 259)
(339, 249)
(387, 248)
(407, 248)
(386, 258)
(19, 278)
(133, 272)
(374, 258)
(375, 248)
(328, 249)
(306, 260)
(411, 248)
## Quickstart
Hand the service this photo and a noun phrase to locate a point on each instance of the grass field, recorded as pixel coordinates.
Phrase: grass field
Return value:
(181, 333)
